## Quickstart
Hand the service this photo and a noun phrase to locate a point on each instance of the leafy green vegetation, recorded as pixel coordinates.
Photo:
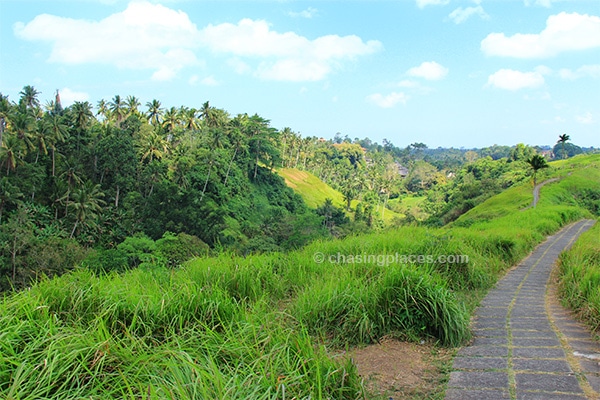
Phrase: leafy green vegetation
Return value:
(579, 277)
(264, 325)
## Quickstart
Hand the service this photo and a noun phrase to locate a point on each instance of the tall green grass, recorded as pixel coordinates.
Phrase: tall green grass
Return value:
(262, 326)
(579, 277)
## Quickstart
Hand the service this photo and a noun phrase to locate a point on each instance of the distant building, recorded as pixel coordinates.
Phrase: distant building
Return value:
(402, 170)
(547, 154)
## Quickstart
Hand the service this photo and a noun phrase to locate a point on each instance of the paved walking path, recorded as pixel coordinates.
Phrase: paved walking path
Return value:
(526, 345)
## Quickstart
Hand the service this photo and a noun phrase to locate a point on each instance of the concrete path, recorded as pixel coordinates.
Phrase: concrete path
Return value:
(526, 345)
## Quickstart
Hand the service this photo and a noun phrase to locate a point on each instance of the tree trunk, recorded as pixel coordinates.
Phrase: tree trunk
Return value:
(117, 197)
(14, 258)
(229, 167)
(206, 182)
(74, 227)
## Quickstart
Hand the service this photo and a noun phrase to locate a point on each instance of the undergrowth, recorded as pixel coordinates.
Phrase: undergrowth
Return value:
(262, 326)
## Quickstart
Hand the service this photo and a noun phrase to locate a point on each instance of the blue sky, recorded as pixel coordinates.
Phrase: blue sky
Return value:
(468, 73)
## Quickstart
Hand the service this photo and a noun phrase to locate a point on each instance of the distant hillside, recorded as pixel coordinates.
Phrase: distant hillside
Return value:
(314, 192)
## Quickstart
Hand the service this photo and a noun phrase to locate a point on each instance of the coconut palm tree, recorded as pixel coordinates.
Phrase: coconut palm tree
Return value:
(152, 146)
(154, 112)
(56, 132)
(171, 120)
(132, 104)
(118, 109)
(29, 97)
(10, 152)
(86, 202)
(537, 162)
(563, 139)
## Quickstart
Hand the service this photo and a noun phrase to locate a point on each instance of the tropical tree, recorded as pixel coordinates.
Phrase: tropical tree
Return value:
(86, 202)
(563, 139)
(154, 112)
(151, 145)
(132, 104)
(117, 109)
(537, 162)
(29, 97)
(5, 108)
(10, 152)
(56, 132)
(170, 120)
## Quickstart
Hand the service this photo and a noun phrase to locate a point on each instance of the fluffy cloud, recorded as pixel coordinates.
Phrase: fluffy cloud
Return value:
(286, 56)
(423, 3)
(563, 32)
(388, 101)
(585, 119)
(68, 96)
(429, 70)
(509, 79)
(143, 36)
(155, 37)
(592, 71)
(308, 13)
(460, 15)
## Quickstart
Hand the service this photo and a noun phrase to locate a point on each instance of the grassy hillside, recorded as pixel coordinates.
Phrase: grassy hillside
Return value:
(314, 192)
(262, 326)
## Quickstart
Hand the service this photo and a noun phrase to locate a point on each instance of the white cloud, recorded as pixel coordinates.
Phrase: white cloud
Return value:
(157, 38)
(543, 3)
(308, 13)
(423, 3)
(509, 79)
(563, 32)
(286, 56)
(388, 101)
(460, 15)
(143, 36)
(429, 70)
(210, 81)
(585, 119)
(592, 71)
(68, 96)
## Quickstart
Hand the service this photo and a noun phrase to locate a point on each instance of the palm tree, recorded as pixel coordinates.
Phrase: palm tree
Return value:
(563, 139)
(10, 152)
(56, 132)
(103, 110)
(189, 118)
(152, 145)
(171, 119)
(29, 97)
(537, 162)
(117, 109)
(155, 112)
(86, 202)
(4, 112)
(132, 103)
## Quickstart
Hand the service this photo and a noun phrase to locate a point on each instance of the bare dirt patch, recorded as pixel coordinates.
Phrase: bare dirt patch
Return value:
(400, 370)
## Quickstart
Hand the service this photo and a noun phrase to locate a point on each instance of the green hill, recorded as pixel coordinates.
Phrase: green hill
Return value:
(314, 192)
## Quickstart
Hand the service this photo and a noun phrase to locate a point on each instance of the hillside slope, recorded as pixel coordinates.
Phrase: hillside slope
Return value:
(314, 192)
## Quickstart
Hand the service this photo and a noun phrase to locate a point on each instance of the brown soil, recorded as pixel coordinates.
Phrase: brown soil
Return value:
(400, 370)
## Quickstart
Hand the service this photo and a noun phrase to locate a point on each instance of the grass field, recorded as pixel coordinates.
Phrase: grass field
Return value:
(314, 192)
(267, 326)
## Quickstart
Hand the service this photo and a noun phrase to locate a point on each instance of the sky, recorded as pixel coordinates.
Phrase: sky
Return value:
(447, 73)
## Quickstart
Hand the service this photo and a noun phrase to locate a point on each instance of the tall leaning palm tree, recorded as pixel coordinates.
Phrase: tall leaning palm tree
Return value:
(563, 139)
(56, 132)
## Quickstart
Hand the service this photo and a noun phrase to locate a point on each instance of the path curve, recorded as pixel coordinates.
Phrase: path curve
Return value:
(536, 192)
(526, 345)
